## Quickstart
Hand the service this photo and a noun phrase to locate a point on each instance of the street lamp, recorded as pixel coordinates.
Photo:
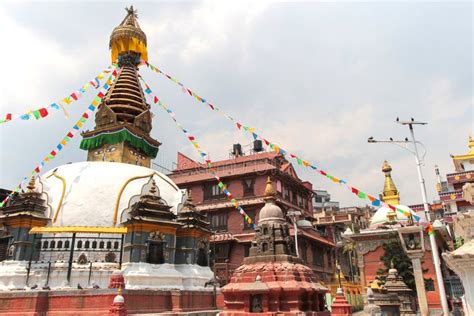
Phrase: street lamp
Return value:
(434, 247)
(293, 215)
(412, 239)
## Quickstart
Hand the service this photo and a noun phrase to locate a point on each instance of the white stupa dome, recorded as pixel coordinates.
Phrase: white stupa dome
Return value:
(91, 191)
(380, 216)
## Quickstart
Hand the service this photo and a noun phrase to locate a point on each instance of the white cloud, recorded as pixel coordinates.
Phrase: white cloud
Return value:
(32, 67)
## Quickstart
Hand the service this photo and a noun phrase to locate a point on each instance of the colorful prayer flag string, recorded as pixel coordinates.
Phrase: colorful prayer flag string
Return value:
(278, 149)
(202, 153)
(74, 96)
(69, 135)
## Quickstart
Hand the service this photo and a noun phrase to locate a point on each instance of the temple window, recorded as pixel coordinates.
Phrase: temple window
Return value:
(60, 244)
(116, 245)
(155, 252)
(264, 247)
(248, 187)
(304, 255)
(109, 245)
(218, 222)
(222, 252)
(256, 303)
(79, 244)
(53, 244)
(101, 245)
(87, 244)
(45, 244)
(213, 192)
(66, 244)
(202, 254)
(318, 256)
(94, 244)
(246, 250)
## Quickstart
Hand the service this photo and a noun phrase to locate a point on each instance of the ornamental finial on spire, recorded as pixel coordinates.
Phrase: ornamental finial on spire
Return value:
(128, 38)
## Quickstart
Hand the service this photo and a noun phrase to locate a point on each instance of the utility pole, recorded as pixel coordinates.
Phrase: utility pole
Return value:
(434, 247)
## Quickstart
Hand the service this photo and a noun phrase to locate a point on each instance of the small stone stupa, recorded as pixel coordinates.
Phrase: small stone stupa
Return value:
(272, 280)
(394, 284)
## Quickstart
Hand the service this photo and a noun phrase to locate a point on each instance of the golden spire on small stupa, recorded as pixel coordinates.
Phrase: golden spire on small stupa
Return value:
(390, 193)
(269, 190)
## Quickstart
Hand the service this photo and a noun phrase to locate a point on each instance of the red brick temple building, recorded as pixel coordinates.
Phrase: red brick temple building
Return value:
(245, 176)
(272, 281)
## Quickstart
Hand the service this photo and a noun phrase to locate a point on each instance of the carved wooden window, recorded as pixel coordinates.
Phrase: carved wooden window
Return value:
(213, 192)
(248, 185)
(222, 252)
(218, 221)
(318, 256)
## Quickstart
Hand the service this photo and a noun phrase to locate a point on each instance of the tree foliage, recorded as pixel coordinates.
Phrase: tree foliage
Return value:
(393, 251)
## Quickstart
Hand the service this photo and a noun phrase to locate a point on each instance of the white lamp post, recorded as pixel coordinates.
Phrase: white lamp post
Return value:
(293, 215)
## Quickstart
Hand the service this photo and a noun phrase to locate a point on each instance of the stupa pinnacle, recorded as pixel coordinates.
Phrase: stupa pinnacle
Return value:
(123, 120)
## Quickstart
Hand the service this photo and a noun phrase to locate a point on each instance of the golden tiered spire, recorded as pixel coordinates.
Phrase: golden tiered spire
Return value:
(128, 37)
(390, 193)
(123, 120)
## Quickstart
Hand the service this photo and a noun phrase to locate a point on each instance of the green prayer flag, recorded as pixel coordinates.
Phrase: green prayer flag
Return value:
(37, 114)
(362, 195)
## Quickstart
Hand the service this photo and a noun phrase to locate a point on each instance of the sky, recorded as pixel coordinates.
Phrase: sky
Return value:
(317, 78)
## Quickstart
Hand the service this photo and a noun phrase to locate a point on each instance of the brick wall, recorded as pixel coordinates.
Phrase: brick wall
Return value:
(373, 264)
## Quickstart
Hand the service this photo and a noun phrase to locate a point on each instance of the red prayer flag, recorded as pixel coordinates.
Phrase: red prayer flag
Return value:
(9, 117)
(155, 99)
(354, 190)
(239, 125)
(322, 172)
(70, 134)
(43, 112)
(85, 115)
(53, 153)
(74, 96)
(212, 106)
(100, 95)
(190, 92)
(37, 170)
